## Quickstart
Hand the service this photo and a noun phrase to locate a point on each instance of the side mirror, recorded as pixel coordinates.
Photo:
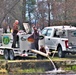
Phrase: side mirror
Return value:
(41, 37)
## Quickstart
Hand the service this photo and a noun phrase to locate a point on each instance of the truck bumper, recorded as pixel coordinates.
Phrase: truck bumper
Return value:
(71, 49)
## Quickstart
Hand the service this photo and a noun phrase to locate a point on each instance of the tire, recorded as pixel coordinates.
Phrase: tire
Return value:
(61, 54)
(40, 56)
(11, 55)
(6, 54)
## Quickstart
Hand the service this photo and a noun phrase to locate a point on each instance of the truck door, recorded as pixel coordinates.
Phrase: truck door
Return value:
(48, 34)
(55, 39)
(52, 39)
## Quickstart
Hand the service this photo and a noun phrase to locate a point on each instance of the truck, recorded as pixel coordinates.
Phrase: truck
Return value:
(60, 39)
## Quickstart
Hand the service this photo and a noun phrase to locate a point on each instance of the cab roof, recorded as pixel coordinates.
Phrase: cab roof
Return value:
(62, 27)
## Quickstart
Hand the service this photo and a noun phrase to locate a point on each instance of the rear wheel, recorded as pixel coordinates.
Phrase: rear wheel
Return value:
(61, 54)
(11, 55)
(6, 54)
(38, 56)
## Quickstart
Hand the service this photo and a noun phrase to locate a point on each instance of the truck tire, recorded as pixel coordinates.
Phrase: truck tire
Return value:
(61, 54)
(6, 54)
(40, 56)
(11, 55)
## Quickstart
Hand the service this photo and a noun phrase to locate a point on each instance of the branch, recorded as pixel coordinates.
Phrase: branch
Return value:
(9, 11)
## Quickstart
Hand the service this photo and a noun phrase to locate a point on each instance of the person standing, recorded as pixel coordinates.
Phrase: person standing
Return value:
(15, 31)
(35, 36)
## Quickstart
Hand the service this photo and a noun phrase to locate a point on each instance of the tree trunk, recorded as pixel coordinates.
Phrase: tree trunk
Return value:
(24, 11)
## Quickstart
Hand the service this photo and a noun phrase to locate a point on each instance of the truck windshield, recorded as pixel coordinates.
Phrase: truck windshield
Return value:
(46, 32)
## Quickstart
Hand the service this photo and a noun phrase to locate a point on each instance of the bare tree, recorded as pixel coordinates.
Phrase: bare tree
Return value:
(10, 10)
(24, 11)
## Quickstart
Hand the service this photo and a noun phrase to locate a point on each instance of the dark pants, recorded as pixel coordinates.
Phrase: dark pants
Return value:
(15, 40)
(34, 45)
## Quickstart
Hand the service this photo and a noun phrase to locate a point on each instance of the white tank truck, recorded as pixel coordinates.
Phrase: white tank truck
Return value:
(24, 49)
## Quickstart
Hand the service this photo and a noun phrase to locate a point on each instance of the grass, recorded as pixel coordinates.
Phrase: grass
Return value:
(32, 70)
(70, 67)
(1, 57)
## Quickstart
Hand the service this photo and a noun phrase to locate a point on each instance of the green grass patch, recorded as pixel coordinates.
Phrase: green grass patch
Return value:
(70, 67)
(32, 70)
(1, 57)
(74, 67)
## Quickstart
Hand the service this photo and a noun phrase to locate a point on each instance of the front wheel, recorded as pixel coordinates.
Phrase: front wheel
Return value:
(40, 57)
(61, 53)
(11, 55)
(6, 54)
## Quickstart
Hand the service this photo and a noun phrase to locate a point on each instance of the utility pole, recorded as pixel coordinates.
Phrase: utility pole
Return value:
(48, 2)
(24, 11)
(65, 15)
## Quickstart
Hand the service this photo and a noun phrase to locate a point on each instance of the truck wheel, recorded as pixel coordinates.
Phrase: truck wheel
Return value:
(11, 55)
(61, 54)
(6, 54)
(39, 56)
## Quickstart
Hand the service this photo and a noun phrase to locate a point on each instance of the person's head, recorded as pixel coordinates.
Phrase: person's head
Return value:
(35, 30)
(16, 22)
(34, 27)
